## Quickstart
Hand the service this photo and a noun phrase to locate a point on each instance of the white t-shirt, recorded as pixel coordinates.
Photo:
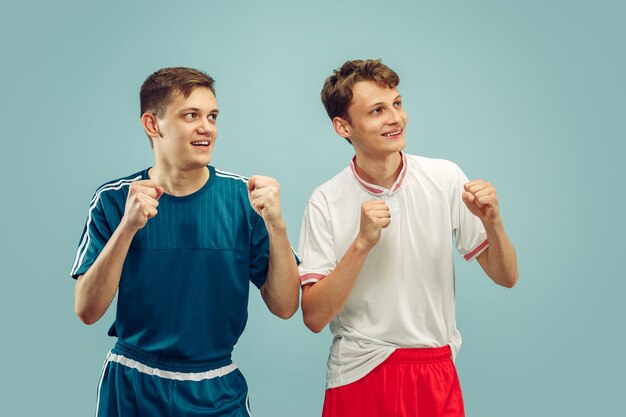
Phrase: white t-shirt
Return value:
(404, 294)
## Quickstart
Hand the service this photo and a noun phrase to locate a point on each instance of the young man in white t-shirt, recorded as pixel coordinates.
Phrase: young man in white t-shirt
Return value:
(377, 257)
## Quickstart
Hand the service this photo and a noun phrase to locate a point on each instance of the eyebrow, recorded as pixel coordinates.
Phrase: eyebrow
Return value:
(197, 110)
(380, 103)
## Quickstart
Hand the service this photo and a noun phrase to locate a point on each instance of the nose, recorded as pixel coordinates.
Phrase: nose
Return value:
(205, 127)
(395, 116)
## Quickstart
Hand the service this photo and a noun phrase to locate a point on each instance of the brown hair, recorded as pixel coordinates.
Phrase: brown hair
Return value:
(157, 91)
(337, 90)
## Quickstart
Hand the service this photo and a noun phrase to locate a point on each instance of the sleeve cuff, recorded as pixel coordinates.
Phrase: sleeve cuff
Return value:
(311, 278)
(479, 249)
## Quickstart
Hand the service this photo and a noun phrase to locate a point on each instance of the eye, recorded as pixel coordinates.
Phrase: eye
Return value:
(398, 104)
(191, 116)
(213, 117)
(377, 110)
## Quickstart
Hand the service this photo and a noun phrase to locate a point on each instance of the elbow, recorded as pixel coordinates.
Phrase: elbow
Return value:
(313, 325)
(508, 284)
(315, 328)
(286, 313)
(85, 315)
(82, 307)
(285, 309)
(283, 306)
(510, 280)
(86, 318)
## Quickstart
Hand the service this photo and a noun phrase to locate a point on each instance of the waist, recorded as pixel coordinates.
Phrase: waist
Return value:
(167, 363)
(420, 355)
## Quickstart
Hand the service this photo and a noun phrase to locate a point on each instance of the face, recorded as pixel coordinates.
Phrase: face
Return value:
(376, 120)
(187, 131)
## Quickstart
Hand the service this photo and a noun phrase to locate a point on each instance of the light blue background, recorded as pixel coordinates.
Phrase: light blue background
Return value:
(529, 95)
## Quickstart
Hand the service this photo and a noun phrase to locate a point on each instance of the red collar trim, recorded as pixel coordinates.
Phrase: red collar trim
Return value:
(376, 189)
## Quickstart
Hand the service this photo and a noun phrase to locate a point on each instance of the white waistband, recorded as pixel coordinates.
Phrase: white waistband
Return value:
(179, 376)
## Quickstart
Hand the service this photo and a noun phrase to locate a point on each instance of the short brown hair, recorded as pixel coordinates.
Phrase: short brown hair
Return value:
(159, 88)
(337, 90)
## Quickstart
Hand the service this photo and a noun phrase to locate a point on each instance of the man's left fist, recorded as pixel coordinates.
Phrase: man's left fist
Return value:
(481, 200)
(264, 195)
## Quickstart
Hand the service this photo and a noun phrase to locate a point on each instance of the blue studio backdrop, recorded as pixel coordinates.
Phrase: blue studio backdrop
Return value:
(528, 95)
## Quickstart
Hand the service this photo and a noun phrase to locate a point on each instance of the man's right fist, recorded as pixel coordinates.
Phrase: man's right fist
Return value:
(375, 216)
(141, 203)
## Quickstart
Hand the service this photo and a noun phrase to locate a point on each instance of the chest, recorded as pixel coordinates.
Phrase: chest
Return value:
(206, 223)
(421, 222)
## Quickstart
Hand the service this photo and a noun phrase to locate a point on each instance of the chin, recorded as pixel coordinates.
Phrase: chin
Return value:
(398, 146)
(206, 159)
(200, 163)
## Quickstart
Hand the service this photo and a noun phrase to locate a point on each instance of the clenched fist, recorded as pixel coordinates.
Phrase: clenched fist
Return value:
(481, 200)
(375, 216)
(264, 195)
(141, 203)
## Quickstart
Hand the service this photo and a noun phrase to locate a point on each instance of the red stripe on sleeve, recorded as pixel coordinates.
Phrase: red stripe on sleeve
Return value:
(477, 250)
(310, 278)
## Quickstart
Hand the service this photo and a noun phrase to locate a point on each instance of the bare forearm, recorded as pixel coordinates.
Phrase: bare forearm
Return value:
(322, 301)
(499, 260)
(96, 289)
(282, 287)
(502, 260)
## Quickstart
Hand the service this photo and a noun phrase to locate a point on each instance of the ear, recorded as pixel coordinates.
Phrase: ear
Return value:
(342, 127)
(149, 122)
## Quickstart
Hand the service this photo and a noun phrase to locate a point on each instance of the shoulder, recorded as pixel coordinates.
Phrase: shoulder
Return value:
(334, 191)
(116, 188)
(337, 185)
(436, 169)
(231, 180)
(230, 177)
(432, 164)
(229, 183)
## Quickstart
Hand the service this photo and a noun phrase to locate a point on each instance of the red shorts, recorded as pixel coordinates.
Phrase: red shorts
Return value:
(410, 383)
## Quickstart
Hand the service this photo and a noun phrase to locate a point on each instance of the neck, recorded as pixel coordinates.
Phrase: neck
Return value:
(382, 172)
(178, 182)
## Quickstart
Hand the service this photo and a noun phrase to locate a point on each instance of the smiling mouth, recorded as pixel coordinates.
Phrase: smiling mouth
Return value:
(393, 134)
(200, 143)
